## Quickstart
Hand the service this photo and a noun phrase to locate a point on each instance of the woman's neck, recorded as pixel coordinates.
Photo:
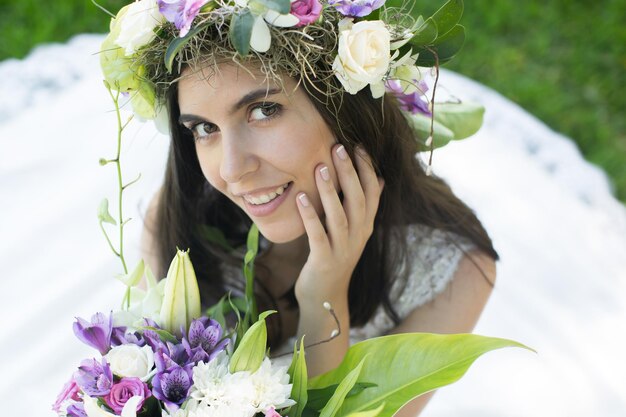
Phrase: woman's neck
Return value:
(284, 262)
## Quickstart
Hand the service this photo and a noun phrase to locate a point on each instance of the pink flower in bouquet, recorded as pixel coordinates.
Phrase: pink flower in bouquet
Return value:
(124, 390)
(307, 11)
(271, 412)
(68, 393)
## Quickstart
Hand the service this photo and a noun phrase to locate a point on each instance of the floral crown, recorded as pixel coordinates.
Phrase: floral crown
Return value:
(385, 45)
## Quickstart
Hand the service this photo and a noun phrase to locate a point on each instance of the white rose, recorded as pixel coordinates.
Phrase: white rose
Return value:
(131, 360)
(137, 25)
(363, 55)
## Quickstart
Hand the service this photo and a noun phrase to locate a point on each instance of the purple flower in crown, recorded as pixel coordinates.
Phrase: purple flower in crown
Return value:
(124, 390)
(172, 382)
(356, 8)
(413, 102)
(95, 379)
(307, 11)
(96, 333)
(181, 12)
(203, 341)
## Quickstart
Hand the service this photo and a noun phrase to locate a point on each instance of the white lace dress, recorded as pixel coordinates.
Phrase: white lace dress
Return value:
(432, 259)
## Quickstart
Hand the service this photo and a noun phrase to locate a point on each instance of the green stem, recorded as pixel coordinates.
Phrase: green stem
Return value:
(120, 129)
(108, 240)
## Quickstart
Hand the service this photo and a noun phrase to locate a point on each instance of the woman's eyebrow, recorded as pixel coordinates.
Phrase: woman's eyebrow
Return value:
(184, 118)
(253, 96)
(243, 101)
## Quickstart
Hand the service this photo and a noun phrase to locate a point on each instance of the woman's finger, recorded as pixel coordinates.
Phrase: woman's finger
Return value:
(353, 195)
(318, 240)
(335, 215)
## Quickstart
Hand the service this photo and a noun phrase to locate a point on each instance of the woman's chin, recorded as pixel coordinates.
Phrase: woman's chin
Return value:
(281, 234)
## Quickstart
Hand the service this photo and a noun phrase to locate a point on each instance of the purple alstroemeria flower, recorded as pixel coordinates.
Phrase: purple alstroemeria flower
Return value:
(76, 410)
(356, 8)
(120, 337)
(181, 12)
(95, 379)
(165, 354)
(413, 102)
(96, 333)
(203, 341)
(124, 390)
(172, 384)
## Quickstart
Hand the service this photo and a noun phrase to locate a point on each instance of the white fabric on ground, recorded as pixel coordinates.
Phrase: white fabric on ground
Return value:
(561, 235)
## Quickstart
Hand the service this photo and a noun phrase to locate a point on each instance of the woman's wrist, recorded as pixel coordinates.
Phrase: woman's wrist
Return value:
(326, 332)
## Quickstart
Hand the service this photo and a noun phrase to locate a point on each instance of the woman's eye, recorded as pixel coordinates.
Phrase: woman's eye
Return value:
(265, 111)
(202, 130)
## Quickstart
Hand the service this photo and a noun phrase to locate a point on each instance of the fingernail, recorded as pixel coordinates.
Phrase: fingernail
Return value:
(304, 200)
(341, 152)
(325, 173)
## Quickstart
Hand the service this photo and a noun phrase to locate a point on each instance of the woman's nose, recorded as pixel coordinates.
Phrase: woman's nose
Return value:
(238, 158)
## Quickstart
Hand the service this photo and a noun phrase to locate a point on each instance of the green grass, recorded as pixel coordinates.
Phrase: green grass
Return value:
(563, 60)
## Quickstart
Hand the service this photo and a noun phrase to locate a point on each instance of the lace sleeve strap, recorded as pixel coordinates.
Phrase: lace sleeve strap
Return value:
(432, 259)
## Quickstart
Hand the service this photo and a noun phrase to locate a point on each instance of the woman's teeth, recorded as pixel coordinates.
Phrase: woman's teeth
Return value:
(266, 198)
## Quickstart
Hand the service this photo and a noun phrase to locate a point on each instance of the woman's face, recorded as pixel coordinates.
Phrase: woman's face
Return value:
(257, 144)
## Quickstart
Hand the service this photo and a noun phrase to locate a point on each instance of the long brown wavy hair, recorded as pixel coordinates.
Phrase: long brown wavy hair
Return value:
(188, 203)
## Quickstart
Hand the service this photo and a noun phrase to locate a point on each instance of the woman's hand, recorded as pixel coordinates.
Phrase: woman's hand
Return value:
(336, 248)
(334, 252)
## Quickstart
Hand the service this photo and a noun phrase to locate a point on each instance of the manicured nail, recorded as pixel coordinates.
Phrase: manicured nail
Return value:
(325, 173)
(304, 200)
(341, 152)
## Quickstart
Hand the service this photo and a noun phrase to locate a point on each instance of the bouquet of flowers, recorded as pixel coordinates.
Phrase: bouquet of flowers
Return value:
(161, 357)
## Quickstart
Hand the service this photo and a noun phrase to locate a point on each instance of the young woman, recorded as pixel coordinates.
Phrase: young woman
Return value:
(293, 142)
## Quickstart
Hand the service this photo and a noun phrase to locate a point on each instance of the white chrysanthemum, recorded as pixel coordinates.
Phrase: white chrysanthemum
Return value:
(216, 392)
(271, 387)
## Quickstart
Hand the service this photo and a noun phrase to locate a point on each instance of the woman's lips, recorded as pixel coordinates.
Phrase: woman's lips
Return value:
(265, 209)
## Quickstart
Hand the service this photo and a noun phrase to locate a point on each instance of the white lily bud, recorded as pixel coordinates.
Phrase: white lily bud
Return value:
(181, 298)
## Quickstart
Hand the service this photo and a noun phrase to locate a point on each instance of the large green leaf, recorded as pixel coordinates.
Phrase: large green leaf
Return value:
(463, 119)
(448, 16)
(369, 413)
(241, 31)
(407, 365)
(445, 47)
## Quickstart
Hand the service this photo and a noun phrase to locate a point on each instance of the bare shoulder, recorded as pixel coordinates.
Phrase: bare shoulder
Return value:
(459, 306)
(149, 251)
